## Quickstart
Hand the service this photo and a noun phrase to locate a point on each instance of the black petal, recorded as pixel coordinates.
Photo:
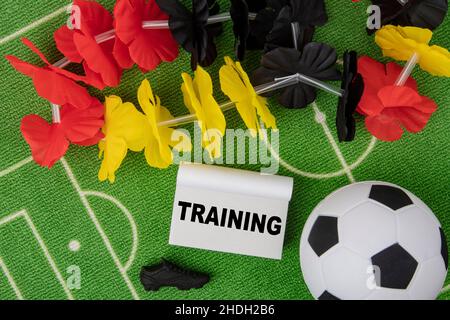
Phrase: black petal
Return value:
(308, 14)
(267, 11)
(190, 29)
(318, 61)
(241, 26)
(417, 13)
(353, 86)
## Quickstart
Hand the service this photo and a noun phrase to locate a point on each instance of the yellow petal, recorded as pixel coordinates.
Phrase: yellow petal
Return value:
(232, 85)
(199, 99)
(123, 129)
(236, 85)
(420, 35)
(158, 142)
(114, 152)
(436, 61)
(124, 121)
(214, 116)
(393, 44)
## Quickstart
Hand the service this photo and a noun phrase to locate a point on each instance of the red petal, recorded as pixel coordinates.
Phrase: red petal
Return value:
(47, 142)
(427, 105)
(153, 46)
(413, 120)
(384, 128)
(373, 72)
(122, 54)
(394, 97)
(370, 105)
(64, 42)
(91, 142)
(23, 67)
(93, 78)
(60, 90)
(99, 60)
(94, 19)
(33, 48)
(147, 47)
(128, 17)
(82, 125)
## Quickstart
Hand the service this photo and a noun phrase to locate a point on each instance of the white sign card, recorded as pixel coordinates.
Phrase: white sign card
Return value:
(230, 210)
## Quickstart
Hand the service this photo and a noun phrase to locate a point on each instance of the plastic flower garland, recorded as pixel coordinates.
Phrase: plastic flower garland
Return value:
(147, 32)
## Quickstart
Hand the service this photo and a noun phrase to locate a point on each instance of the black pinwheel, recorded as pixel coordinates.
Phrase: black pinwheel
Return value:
(417, 13)
(317, 61)
(352, 91)
(191, 29)
(306, 15)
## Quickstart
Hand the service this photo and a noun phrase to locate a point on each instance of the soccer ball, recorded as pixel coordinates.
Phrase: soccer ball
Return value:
(373, 240)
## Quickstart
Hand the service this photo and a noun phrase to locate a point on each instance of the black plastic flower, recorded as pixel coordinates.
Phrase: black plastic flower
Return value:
(353, 88)
(307, 14)
(417, 13)
(241, 26)
(266, 13)
(191, 29)
(318, 61)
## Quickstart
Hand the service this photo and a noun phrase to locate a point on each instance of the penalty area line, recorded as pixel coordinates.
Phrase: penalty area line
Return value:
(11, 281)
(15, 167)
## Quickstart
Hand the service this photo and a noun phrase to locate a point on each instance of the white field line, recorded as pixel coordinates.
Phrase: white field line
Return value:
(15, 167)
(130, 218)
(321, 119)
(11, 281)
(99, 228)
(24, 214)
(35, 24)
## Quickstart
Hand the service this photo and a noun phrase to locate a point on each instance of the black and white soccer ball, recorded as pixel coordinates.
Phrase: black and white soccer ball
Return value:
(373, 240)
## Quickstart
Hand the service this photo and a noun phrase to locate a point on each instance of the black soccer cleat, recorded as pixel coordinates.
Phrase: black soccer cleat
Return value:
(167, 274)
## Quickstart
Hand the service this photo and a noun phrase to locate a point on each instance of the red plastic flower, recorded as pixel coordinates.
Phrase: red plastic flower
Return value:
(81, 46)
(390, 109)
(49, 142)
(147, 47)
(52, 83)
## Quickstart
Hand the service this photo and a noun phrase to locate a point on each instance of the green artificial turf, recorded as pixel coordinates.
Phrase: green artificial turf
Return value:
(54, 207)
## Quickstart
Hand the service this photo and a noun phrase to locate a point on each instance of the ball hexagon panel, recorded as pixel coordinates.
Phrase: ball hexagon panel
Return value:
(418, 233)
(368, 229)
(396, 266)
(312, 270)
(444, 248)
(324, 234)
(391, 196)
(428, 280)
(327, 296)
(337, 204)
(346, 274)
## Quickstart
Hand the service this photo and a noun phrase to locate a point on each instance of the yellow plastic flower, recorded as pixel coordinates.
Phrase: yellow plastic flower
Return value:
(199, 99)
(159, 140)
(400, 43)
(123, 130)
(236, 85)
